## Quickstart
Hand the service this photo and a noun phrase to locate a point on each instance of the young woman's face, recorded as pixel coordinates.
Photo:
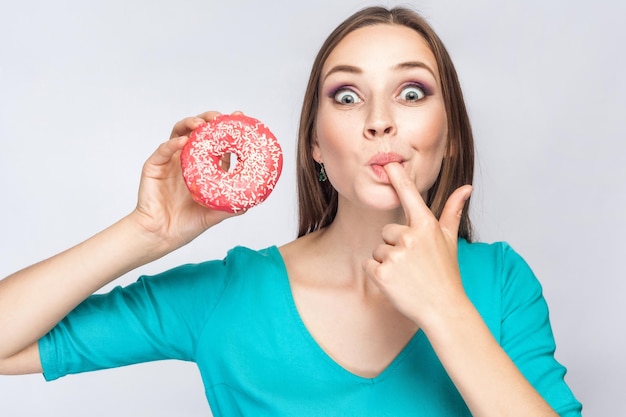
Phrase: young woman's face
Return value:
(380, 102)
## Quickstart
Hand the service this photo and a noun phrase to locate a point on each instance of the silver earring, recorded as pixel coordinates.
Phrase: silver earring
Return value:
(321, 177)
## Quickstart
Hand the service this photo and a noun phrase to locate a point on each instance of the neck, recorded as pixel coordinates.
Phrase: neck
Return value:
(354, 234)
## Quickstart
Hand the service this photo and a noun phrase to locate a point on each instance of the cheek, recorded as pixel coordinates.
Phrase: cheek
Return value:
(431, 133)
(329, 131)
(442, 142)
(430, 136)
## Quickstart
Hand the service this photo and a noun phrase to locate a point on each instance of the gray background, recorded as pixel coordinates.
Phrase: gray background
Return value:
(88, 90)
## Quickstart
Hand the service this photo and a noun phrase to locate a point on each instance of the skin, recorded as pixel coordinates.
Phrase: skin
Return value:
(326, 268)
(386, 266)
(364, 285)
(164, 219)
(397, 109)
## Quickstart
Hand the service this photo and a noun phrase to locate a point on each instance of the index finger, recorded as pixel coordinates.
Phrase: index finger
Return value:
(187, 125)
(209, 115)
(410, 197)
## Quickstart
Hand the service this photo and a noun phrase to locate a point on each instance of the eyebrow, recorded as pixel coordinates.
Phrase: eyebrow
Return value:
(344, 68)
(414, 64)
(401, 66)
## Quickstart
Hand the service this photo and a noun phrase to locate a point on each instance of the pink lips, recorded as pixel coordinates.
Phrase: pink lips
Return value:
(378, 161)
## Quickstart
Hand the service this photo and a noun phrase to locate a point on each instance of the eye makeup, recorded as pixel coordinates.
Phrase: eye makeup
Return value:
(332, 92)
(403, 75)
(419, 85)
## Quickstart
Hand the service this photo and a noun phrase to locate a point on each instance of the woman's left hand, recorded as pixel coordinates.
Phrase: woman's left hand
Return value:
(417, 267)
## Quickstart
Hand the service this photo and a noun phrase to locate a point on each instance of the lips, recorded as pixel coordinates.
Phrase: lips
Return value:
(385, 158)
(378, 161)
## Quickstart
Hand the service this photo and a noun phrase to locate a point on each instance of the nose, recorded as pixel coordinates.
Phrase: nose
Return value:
(380, 121)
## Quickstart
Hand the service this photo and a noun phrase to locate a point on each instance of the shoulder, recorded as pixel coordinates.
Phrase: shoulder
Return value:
(498, 258)
(496, 278)
(237, 257)
(249, 269)
(211, 276)
(242, 254)
(243, 259)
(482, 250)
(496, 263)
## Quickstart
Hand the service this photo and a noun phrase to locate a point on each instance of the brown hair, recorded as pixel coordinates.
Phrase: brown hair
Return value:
(318, 200)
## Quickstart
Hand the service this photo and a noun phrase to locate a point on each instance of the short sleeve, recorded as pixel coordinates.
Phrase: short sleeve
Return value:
(156, 318)
(526, 334)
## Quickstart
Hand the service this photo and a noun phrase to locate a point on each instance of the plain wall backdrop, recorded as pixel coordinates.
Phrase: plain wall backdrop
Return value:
(89, 89)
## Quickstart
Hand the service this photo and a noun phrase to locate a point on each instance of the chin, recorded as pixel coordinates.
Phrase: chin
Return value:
(383, 201)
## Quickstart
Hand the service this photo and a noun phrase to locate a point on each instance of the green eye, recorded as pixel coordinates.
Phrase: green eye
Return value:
(412, 93)
(346, 97)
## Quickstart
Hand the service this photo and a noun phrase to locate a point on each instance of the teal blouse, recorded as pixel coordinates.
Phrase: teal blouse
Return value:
(236, 319)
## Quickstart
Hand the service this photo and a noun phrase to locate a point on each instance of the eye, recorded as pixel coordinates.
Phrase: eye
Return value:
(346, 96)
(412, 93)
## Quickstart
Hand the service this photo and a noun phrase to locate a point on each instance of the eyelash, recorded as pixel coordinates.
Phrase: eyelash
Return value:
(427, 92)
(333, 93)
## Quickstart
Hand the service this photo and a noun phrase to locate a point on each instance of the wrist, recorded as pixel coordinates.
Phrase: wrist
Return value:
(457, 313)
(145, 243)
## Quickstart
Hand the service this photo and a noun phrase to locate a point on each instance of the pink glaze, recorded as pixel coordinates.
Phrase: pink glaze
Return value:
(249, 183)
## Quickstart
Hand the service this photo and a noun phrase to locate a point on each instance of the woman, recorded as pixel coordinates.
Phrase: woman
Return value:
(382, 306)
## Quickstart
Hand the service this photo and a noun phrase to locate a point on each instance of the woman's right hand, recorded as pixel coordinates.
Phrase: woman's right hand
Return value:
(166, 217)
(165, 209)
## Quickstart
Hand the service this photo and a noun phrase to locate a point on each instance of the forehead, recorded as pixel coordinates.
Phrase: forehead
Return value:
(381, 44)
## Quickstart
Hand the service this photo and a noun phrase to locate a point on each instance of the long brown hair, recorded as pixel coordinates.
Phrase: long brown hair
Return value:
(318, 200)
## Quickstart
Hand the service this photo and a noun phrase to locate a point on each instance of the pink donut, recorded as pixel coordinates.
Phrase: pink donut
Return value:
(259, 162)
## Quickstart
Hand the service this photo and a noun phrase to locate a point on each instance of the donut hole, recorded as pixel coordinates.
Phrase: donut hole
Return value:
(228, 162)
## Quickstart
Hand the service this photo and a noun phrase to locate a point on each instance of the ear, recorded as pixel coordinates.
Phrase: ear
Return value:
(316, 152)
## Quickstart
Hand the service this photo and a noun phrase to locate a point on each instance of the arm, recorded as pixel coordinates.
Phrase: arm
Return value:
(417, 269)
(486, 377)
(57, 285)
(35, 299)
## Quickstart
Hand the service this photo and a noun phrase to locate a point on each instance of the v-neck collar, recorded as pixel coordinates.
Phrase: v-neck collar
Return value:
(299, 322)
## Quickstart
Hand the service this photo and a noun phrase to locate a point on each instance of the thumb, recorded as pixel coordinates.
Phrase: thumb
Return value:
(451, 215)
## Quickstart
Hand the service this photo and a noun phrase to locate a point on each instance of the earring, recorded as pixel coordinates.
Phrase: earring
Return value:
(321, 177)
